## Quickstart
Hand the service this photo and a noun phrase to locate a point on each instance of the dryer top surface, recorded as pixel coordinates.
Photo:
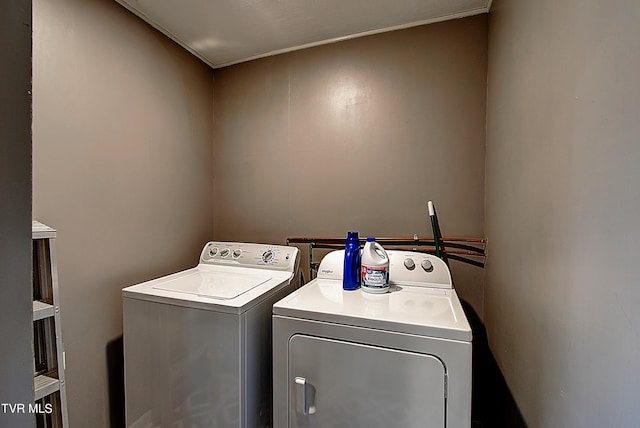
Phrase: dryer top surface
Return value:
(433, 312)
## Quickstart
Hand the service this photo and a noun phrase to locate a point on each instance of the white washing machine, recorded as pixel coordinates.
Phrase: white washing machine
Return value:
(360, 360)
(197, 344)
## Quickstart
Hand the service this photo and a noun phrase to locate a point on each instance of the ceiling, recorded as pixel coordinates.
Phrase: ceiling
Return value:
(226, 32)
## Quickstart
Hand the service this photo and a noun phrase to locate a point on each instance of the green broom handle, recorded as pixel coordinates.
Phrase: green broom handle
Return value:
(432, 216)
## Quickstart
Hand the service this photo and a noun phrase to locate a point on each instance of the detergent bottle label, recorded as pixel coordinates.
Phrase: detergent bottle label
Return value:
(375, 277)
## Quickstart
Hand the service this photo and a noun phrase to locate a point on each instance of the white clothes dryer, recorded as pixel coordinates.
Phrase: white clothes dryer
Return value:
(354, 359)
(197, 343)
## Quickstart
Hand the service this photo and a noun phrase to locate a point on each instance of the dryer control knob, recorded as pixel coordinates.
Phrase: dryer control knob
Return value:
(225, 252)
(213, 251)
(427, 265)
(409, 263)
(236, 253)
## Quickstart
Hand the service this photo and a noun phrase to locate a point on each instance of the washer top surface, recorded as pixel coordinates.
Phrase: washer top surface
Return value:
(218, 286)
(424, 309)
(231, 277)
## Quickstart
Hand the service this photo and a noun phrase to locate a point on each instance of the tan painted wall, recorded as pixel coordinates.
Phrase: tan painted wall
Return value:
(562, 203)
(357, 135)
(122, 168)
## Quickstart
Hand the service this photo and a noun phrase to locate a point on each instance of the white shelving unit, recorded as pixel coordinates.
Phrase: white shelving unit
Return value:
(50, 398)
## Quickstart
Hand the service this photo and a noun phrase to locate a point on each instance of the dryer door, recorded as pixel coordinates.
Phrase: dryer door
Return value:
(342, 384)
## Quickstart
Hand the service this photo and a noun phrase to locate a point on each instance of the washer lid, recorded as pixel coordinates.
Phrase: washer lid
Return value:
(217, 285)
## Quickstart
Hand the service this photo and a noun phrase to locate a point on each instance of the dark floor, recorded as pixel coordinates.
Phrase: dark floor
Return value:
(115, 372)
(493, 405)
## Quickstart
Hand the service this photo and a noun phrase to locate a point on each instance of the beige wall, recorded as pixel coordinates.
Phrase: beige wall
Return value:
(122, 168)
(357, 135)
(562, 203)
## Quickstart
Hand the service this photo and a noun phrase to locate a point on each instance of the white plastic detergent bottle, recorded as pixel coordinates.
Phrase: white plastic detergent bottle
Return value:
(375, 268)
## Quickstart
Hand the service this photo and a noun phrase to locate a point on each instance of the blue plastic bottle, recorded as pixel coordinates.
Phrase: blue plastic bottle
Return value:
(351, 274)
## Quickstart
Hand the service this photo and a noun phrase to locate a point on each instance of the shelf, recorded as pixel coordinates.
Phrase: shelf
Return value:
(45, 385)
(42, 310)
(41, 231)
(48, 348)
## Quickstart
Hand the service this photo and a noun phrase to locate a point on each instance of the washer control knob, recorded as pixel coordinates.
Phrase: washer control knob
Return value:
(213, 251)
(267, 256)
(236, 253)
(427, 265)
(225, 252)
(409, 263)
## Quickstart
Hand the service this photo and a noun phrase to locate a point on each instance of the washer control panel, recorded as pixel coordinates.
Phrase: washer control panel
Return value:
(264, 256)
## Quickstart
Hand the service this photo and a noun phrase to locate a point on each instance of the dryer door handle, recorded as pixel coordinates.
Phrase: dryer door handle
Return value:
(305, 396)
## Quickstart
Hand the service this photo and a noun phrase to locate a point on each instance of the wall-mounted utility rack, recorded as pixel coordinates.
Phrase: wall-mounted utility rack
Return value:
(465, 250)
(50, 400)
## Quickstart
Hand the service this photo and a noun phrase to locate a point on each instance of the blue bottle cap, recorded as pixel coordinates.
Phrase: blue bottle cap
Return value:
(370, 239)
(352, 234)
